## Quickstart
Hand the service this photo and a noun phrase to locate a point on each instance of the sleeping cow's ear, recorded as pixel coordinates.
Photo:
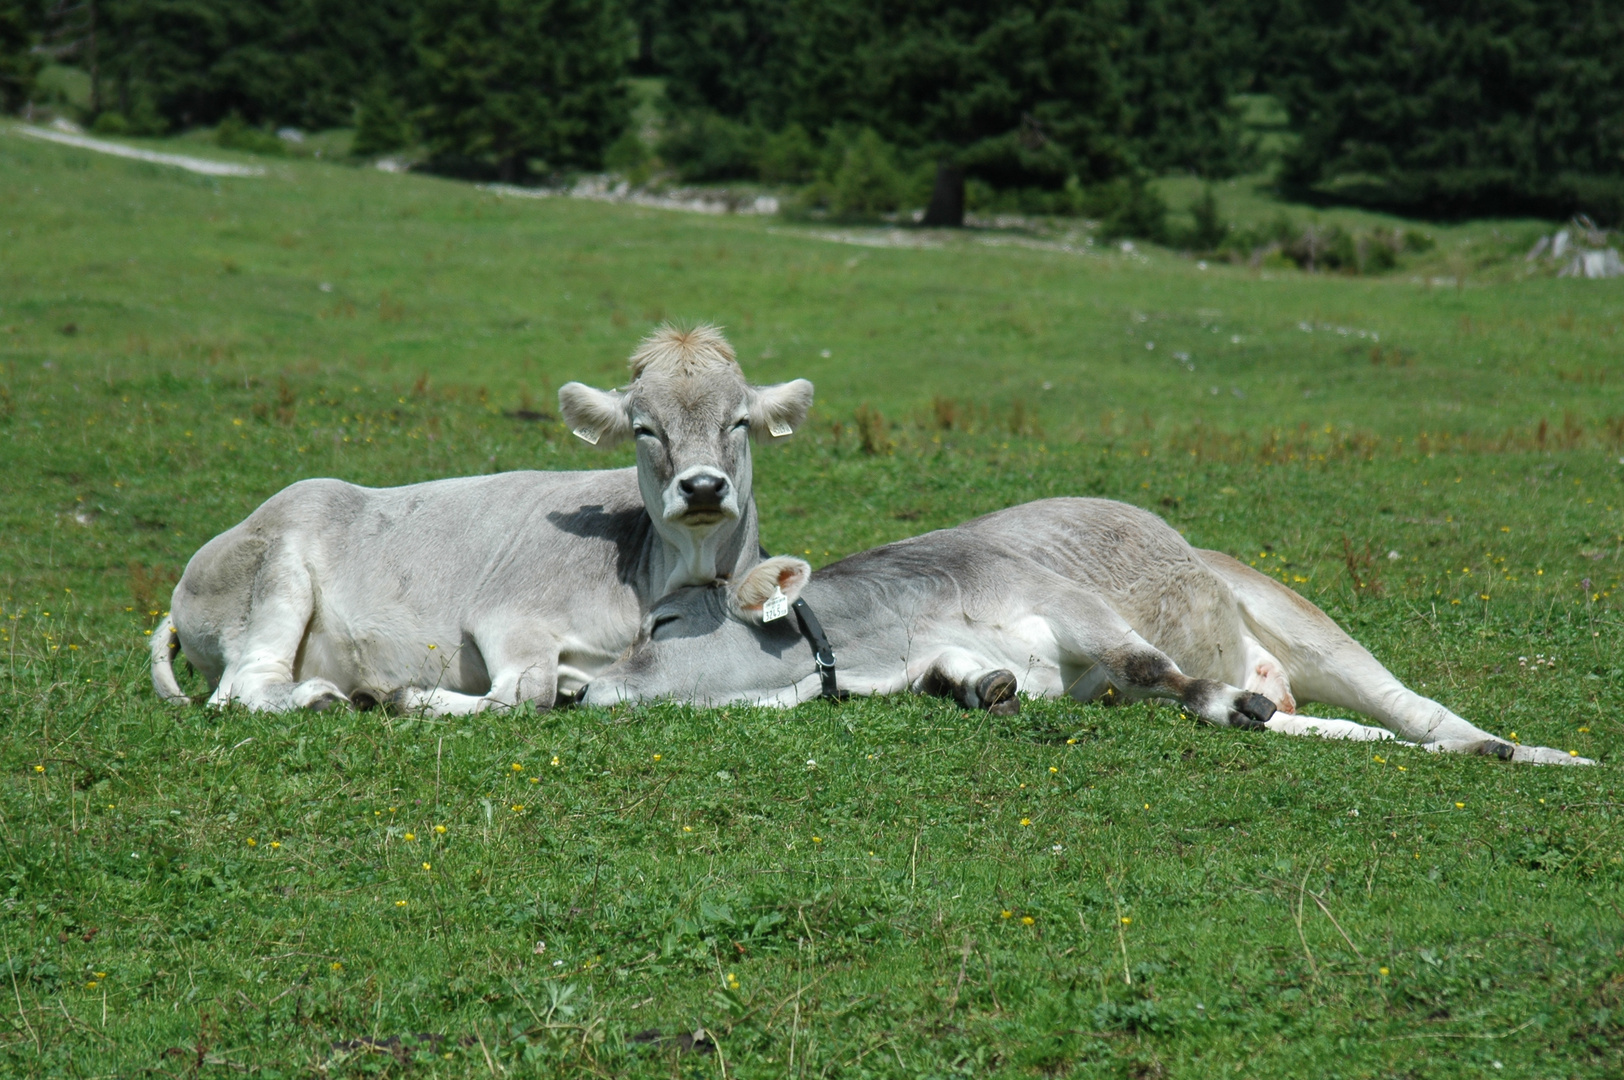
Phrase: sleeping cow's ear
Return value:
(782, 573)
(595, 416)
(776, 411)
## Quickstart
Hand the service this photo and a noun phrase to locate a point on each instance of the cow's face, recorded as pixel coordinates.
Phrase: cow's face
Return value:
(692, 426)
(708, 644)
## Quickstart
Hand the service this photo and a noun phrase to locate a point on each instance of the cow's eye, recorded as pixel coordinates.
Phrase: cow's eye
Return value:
(643, 431)
(742, 425)
(663, 621)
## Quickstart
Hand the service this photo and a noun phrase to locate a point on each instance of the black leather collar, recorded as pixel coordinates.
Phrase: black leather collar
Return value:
(822, 653)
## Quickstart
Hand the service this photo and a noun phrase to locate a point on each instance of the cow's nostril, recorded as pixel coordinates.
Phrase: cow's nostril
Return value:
(703, 489)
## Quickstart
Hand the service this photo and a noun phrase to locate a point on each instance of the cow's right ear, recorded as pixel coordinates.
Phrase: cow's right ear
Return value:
(781, 573)
(595, 416)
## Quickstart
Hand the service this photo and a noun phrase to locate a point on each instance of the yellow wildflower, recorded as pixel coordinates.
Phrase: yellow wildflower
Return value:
(1027, 920)
(440, 829)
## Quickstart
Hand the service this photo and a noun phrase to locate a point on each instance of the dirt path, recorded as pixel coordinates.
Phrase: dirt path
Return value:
(102, 146)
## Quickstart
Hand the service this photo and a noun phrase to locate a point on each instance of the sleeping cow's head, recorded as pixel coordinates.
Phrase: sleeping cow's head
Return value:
(692, 415)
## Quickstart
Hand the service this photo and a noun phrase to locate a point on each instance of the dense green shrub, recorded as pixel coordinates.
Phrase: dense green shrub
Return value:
(380, 124)
(788, 157)
(703, 145)
(629, 156)
(234, 134)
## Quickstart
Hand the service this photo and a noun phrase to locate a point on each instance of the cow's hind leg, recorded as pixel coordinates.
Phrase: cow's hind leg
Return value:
(1324, 664)
(1089, 631)
(260, 676)
(969, 680)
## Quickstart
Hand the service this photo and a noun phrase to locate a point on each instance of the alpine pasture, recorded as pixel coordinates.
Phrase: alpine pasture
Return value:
(884, 887)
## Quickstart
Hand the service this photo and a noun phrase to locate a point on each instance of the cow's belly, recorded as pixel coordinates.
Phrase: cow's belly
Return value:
(386, 650)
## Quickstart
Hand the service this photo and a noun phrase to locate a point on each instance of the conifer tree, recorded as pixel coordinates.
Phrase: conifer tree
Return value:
(19, 30)
(508, 83)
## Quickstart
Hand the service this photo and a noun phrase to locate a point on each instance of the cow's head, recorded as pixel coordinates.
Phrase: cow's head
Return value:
(692, 416)
(711, 644)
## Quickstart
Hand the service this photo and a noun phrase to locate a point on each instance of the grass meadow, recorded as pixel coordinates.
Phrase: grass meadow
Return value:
(888, 887)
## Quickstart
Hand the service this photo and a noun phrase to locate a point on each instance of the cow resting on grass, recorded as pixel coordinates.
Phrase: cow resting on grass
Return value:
(1060, 596)
(457, 595)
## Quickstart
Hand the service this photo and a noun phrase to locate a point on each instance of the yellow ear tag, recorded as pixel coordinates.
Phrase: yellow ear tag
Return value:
(586, 435)
(775, 606)
(779, 429)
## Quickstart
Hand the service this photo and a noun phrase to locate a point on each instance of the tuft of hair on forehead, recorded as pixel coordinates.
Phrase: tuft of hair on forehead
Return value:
(675, 350)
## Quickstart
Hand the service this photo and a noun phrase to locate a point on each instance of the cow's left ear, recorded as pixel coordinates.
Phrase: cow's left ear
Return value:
(781, 573)
(595, 416)
(776, 411)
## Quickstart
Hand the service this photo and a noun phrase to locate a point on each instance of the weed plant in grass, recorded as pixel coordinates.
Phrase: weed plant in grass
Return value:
(884, 887)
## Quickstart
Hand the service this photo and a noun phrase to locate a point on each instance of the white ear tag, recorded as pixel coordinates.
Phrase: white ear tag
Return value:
(779, 429)
(586, 435)
(775, 606)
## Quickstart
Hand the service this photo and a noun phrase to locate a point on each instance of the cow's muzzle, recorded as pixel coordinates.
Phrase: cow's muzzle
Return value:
(706, 497)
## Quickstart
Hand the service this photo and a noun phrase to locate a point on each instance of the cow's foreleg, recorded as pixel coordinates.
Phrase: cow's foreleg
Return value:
(523, 668)
(1088, 631)
(971, 681)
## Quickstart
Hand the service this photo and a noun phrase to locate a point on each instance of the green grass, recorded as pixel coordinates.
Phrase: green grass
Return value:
(1202, 903)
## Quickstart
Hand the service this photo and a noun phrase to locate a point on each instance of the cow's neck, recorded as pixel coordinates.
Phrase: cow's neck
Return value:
(682, 558)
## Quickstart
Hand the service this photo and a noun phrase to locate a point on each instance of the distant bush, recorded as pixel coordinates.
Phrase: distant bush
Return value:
(1125, 207)
(700, 145)
(111, 122)
(629, 156)
(380, 125)
(234, 134)
(1319, 248)
(789, 157)
(868, 181)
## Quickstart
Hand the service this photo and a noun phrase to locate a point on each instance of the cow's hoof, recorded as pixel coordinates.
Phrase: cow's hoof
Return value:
(996, 692)
(325, 702)
(1495, 748)
(364, 701)
(1256, 708)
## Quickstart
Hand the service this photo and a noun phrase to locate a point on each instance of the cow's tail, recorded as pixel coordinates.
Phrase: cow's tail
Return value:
(165, 644)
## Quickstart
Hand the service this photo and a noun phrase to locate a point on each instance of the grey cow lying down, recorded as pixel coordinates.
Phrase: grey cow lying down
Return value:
(1059, 596)
(459, 595)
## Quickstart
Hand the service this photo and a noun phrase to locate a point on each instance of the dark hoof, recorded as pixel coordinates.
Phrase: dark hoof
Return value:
(1256, 708)
(364, 701)
(996, 691)
(1494, 748)
(325, 702)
